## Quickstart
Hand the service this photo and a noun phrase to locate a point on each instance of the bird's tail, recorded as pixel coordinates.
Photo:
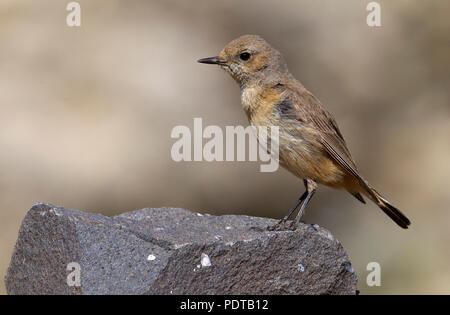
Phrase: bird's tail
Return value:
(388, 208)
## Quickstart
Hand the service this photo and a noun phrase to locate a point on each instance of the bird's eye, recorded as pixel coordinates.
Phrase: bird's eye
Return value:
(244, 56)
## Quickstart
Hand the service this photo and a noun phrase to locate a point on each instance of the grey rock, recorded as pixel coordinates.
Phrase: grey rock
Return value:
(173, 251)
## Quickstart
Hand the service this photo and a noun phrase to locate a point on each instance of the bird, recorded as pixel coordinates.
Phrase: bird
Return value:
(311, 145)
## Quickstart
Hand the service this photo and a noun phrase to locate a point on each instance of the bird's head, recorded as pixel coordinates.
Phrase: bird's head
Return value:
(249, 59)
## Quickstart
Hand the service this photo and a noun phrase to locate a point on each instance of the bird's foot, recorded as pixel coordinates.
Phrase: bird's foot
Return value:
(283, 225)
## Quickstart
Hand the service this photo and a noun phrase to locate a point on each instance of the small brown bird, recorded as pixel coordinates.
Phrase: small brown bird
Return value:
(311, 146)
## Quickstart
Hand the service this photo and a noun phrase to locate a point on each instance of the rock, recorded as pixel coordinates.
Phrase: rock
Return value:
(172, 251)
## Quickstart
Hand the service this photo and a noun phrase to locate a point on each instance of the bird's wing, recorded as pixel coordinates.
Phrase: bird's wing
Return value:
(307, 109)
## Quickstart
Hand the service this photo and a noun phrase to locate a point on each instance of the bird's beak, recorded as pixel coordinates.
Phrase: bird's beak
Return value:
(212, 61)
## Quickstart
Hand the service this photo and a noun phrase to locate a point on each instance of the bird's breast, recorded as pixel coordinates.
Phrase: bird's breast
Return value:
(259, 103)
(250, 99)
(299, 148)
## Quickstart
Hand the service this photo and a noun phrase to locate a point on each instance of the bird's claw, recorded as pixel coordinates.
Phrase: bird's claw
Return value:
(283, 225)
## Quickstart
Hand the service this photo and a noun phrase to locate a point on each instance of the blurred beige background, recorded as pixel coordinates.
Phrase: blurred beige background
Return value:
(86, 115)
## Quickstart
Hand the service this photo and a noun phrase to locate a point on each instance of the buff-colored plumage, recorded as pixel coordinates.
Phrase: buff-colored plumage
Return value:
(311, 144)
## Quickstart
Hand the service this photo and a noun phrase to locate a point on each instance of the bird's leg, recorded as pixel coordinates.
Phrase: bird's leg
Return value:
(311, 187)
(299, 201)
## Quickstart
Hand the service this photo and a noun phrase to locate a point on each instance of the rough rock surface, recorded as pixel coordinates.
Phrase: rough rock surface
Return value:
(173, 251)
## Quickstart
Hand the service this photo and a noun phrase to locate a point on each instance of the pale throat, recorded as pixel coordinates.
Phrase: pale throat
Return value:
(250, 98)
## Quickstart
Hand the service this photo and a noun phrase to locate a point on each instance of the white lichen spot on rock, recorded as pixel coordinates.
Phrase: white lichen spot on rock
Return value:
(300, 268)
(55, 212)
(176, 246)
(350, 269)
(206, 262)
(327, 235)
(151, 257)
(330, 236)
(229, 243)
